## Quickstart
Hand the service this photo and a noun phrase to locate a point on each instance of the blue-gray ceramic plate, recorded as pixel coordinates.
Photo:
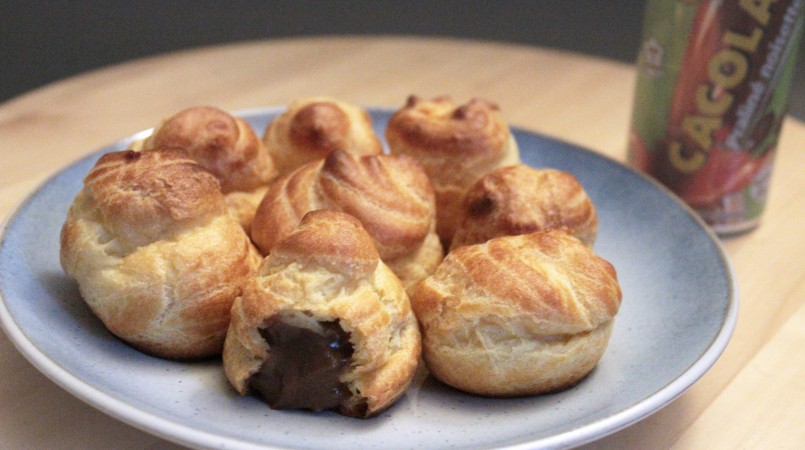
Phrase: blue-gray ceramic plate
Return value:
(679, 309)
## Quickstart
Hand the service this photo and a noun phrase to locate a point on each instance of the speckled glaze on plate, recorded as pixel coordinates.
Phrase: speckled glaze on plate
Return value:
(679, 310)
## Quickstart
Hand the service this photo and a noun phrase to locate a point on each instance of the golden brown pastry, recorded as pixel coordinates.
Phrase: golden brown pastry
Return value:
(456, 145)
(313, 127)
(155, 254)
(517, 315)
(390, 195)
(519, 199)
(324, 324)
(225, 145)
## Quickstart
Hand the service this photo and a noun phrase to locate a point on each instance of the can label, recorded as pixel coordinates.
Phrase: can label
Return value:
(713, 86)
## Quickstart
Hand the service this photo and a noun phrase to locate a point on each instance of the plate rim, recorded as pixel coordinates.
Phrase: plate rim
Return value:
(187, 435)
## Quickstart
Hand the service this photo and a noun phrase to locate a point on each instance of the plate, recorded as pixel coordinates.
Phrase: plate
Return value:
(678, 312)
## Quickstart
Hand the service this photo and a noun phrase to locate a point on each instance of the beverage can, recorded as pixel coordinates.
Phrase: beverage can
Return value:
(713, 85)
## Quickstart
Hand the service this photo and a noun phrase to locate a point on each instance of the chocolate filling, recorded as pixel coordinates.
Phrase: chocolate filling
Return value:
(303, 366)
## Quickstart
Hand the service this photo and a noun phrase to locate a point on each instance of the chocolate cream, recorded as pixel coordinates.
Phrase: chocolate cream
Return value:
(303, 366)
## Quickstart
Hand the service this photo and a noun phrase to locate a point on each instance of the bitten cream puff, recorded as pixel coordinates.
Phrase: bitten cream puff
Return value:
(324, 325)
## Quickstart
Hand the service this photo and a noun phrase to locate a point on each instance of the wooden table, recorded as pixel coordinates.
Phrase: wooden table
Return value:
(754, 396)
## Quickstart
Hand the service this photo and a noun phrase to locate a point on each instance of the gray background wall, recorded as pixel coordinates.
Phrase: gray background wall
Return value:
(44, 41)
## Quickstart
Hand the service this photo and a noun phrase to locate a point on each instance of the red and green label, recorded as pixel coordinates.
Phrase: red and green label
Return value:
(712, 90)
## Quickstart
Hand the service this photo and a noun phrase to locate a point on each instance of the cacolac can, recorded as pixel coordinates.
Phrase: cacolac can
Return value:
(713, 85)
